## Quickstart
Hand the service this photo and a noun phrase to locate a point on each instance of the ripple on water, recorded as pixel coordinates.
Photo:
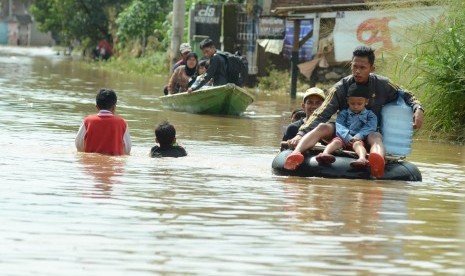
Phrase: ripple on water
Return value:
(218, 211)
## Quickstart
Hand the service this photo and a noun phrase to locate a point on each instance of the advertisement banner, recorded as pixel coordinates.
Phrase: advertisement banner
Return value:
(305, 52)
(382, 30)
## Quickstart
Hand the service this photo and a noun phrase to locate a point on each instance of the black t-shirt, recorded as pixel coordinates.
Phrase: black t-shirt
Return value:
(292, 130)
(216, 70)
(171, 151)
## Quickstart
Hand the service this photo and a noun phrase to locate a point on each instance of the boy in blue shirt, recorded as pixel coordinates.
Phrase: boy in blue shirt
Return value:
(352, 127)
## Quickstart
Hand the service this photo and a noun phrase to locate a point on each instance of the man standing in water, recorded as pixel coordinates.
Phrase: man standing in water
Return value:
(382, 91)
(104, 133)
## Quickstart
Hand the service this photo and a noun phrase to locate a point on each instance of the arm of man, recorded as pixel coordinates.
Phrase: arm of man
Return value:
(172, 81)
(342, 131)
(334, 102)
(79, 141)
(127, 141)
(410, 99)
(416, 107)
(211, 71)
(369, 127)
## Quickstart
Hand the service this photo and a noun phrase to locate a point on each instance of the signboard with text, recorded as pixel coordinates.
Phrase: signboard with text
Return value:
(207, 19)
(271, 28)
(382, 30)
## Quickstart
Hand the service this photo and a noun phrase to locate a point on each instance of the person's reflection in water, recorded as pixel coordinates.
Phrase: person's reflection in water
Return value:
(356, 206)
(358, 210)
(105, 171)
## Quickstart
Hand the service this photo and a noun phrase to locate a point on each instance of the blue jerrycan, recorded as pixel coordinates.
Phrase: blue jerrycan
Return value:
(397, 126)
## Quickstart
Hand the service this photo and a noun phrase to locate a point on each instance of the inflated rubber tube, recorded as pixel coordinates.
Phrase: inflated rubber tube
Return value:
(394, 170)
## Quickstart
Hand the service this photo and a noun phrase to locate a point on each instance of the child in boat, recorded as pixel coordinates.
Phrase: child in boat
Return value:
(297, 114)
(165, 135)
(201, 70)
(104, 132)
(352, 127)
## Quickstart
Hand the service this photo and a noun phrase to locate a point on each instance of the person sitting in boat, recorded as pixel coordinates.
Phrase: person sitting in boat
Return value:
(312, 99)
(353, 125)
(179, 80)
(165, 136)
(216, 69)
(297, 115)
(200, 75)
(185, 49)
(382, 91)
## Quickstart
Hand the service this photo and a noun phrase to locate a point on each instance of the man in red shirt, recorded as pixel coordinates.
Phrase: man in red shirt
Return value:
(104, 132)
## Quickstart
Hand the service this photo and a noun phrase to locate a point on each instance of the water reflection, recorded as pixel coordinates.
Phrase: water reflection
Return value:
(104, 170)
(217, 211)
(353, 210)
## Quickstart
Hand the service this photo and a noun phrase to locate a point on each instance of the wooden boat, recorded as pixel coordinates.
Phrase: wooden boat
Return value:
(395, 169)
(228, 99)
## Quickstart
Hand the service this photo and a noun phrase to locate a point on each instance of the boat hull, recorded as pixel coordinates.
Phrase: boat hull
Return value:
(394, 170)
(226, 99)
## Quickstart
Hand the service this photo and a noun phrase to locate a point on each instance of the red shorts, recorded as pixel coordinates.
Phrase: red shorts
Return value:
(346, 145)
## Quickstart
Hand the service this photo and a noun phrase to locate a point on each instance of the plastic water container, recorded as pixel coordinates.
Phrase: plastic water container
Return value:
(397, 127)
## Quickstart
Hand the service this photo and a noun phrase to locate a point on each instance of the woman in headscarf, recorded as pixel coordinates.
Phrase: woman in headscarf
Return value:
(180, 78)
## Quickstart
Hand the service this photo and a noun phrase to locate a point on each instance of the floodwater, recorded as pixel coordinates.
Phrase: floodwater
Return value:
(219, 211)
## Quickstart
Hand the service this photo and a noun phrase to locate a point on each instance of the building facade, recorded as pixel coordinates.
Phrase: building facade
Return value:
(17, 26)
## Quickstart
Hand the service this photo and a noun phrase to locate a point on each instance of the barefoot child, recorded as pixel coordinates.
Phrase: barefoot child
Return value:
(352, 127)
(165, 134)
(104, 132)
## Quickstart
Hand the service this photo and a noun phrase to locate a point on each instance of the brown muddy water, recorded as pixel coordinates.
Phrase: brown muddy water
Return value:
(219, 211)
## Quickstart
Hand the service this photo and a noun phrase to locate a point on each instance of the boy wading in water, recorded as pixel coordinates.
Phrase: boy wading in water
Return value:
(165, 136)
(104, 132)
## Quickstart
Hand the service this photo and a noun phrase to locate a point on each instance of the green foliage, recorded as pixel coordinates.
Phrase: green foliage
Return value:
(143, 18)
(149, 65)
(443, 63)
(70, 20)
(275, 80)
(434, 69)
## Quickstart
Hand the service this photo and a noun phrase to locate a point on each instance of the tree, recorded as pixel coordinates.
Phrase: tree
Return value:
(141, 18)
(76, 19)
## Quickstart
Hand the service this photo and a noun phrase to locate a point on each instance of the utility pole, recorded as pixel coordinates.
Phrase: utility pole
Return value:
(295, 58)
(178, 29)
(10, 9)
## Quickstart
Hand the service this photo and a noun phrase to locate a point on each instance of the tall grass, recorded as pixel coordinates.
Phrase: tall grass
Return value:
(444, 64)
(435, 68)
